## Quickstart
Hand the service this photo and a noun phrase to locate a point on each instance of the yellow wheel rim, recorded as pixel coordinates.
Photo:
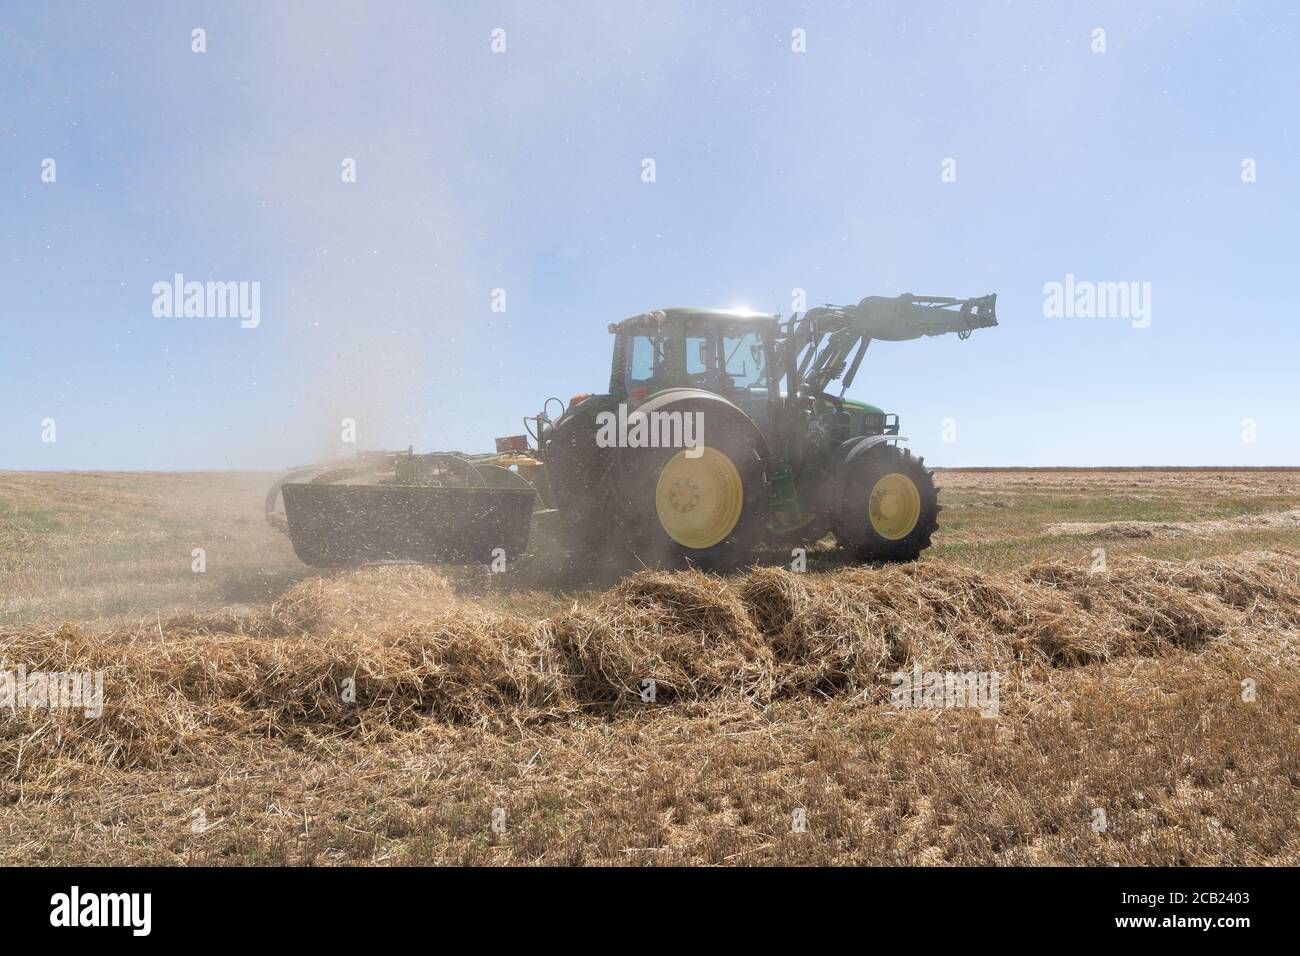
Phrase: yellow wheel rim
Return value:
(895, 506)
(699, 499)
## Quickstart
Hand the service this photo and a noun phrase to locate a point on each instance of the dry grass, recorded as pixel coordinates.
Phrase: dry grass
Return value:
(109, 547)
(1122, 692)
(842, 631)
(687, 633)
(1149, 615)
(1260, 584)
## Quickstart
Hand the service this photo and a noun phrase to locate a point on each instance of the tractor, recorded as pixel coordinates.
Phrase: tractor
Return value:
(721, 432)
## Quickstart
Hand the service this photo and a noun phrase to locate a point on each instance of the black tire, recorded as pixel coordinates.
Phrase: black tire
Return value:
(579, 474)
(636, 483)
(852, 520)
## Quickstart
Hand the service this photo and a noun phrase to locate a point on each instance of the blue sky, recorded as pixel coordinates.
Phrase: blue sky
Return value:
(521, 170)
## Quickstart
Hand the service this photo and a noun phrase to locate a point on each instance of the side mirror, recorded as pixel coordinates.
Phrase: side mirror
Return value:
(756, 350)
(704, 353)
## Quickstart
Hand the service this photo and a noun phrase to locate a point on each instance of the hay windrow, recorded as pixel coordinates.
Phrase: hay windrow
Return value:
(1264, 586)
(687, 632)
(355, 601)
(986, 621)
(830, 635)
(390, 649)
(170, 698)
(1150, 615)
(847, 631)
(1267, 521)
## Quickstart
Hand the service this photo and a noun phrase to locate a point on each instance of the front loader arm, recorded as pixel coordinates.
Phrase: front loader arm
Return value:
(828, 336)
(913, 316)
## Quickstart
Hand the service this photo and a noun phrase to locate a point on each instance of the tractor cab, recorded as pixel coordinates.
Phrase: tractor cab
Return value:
(727, 352)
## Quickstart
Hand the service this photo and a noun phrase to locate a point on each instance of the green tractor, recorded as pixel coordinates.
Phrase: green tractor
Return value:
(719, 434)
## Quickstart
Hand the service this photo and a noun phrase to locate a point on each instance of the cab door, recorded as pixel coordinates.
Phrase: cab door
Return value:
(744, 377)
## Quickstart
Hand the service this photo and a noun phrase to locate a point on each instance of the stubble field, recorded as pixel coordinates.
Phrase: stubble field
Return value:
(259, 712)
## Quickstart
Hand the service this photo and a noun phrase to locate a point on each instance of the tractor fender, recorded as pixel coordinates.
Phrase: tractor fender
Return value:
(714, 407)
(855, 448)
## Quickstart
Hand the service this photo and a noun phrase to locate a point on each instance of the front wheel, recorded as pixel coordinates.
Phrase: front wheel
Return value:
(889, 506)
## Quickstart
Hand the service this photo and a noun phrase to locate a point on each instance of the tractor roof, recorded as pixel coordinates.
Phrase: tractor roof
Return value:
(689, 312)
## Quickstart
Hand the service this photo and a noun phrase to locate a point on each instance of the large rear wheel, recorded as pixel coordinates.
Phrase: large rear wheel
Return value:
(889, 507)
(701, 507)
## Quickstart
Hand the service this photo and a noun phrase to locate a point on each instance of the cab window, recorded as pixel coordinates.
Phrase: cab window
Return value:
(646, 359)
(744, 360)
(700, 361)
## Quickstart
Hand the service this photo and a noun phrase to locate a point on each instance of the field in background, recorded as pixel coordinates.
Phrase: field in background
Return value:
(91, 546)
(228, 736)
(87, 545)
